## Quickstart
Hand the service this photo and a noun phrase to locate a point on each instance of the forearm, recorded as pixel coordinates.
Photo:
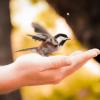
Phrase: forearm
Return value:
(10, 78)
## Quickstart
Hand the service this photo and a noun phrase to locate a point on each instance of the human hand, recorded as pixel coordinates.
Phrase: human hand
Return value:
(33, 69)
(38, 70)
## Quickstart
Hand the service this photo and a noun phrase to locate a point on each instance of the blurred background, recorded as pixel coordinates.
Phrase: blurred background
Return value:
(80, 20)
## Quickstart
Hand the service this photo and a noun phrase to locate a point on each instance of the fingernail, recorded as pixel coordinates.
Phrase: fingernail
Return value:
(96, 52)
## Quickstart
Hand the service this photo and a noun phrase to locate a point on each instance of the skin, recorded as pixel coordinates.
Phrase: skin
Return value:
(33, 69)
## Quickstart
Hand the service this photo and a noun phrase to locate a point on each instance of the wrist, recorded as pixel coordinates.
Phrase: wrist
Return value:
(10, 78)
(24, 73)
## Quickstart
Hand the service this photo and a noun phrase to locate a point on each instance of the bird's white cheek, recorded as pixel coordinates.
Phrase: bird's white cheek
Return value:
(59, 40)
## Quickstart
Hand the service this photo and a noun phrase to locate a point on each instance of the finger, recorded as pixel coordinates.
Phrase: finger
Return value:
(92, 53)
(85, 56)
(79, 59)
(82, 57)
(54, 75)
(50, 76)
(54, 62)
(76, 53)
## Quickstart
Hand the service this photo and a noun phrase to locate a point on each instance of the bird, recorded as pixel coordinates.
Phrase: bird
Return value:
(49, 43)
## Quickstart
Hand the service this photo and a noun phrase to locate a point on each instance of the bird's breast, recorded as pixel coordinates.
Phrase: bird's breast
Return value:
(47, 49)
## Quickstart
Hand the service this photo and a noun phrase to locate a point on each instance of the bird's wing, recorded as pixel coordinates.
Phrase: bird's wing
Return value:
(33, 49)
(42, 34)
(39, 36)
(39, 29)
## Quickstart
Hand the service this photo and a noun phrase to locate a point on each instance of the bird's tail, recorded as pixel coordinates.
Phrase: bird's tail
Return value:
(34, 49)
(30, 35)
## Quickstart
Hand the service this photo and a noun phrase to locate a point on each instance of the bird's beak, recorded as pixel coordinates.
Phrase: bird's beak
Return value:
(68, 38)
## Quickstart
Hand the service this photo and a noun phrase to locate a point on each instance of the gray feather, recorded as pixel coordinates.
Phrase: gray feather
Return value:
(39, 29)
(33, 49)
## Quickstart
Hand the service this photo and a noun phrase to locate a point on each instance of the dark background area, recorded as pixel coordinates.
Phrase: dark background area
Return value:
(5, 45)
(84, 19)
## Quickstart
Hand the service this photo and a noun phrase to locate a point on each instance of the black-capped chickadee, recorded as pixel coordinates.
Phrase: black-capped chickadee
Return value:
(49, 43)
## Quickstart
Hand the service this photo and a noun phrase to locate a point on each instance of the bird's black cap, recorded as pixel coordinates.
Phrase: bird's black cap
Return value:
(60, 34)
